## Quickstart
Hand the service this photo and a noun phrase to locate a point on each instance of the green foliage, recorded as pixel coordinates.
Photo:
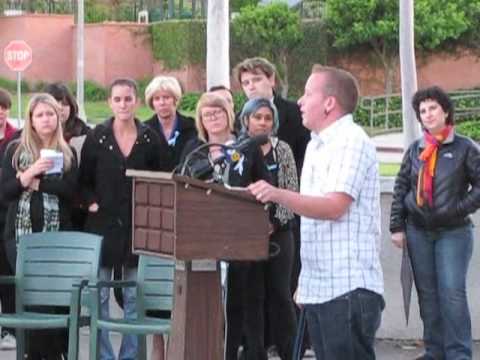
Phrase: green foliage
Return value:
(470, 129)
(178, 43)
(237, 5)
(274, 30)
(376, 22)
(11, 85)
(188, 103)
(96, 12)
(94, 91)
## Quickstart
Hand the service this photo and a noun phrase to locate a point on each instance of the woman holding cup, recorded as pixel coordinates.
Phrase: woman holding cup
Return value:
(38, 193)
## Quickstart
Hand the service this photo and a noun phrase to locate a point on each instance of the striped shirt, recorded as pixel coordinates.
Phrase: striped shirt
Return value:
(341, 255)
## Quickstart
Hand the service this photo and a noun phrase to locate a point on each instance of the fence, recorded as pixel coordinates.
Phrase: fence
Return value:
(111, 10)
(386, 111)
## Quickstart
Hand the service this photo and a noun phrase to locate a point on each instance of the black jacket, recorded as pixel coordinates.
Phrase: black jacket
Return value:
(4, 205)
(187, 131)
(456, 186)
(290, 129)
(103, 180)
(11, 189)
(75, 127)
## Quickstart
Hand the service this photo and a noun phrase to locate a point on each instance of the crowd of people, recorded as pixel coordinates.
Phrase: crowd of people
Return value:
(317, 168)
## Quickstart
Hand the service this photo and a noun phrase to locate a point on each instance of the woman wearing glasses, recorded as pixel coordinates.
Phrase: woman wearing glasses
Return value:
(214, 121)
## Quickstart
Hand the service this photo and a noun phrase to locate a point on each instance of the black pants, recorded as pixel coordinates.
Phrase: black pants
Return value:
(282, 318)
(245, 313)
(257, 288)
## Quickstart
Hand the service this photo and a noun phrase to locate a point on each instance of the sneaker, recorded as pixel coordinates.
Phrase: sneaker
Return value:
(8, 342)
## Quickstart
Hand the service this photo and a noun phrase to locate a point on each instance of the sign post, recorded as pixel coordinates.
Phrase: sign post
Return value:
(18, 57)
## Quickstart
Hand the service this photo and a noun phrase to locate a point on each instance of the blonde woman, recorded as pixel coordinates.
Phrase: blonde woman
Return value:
(214, 120)
(163, 96)
(38, 194)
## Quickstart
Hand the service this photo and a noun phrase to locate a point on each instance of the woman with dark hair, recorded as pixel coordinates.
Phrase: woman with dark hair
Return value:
(73, 129)
(259, 117)
(436, 190)
(72, 125)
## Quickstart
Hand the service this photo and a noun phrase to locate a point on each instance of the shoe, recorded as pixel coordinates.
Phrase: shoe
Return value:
(8, 342)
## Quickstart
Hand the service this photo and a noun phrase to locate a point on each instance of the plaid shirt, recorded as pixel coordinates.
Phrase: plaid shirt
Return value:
(339, 256)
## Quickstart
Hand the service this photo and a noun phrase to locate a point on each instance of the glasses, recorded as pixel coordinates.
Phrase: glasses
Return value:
(212, 115)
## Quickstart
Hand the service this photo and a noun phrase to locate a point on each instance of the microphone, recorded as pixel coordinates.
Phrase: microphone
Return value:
(243, 144)
(203, 166)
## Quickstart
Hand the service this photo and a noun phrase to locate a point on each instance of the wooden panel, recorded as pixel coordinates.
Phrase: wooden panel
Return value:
(153, 230)
(141, 216)
(155, 218)
(154, 240)
(228, 227)
(141, 193)
(197, 331)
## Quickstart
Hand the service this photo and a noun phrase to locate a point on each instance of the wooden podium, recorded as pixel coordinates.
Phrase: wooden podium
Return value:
(197, 224)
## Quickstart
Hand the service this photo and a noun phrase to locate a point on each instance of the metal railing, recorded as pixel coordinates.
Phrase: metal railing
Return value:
(118, 10)
(386, 111)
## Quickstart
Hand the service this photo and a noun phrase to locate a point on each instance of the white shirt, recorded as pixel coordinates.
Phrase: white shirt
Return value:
(342, 255)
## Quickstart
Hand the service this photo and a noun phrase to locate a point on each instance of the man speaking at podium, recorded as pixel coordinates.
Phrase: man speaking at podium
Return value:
(341, 281)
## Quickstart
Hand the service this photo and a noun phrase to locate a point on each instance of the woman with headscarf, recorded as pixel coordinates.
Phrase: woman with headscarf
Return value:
(259, 117)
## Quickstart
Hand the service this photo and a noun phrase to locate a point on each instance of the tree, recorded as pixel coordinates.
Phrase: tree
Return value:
(273, 29)
(376, 23)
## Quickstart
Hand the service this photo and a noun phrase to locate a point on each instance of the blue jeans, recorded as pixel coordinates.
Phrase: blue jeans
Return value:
(129, 345)
(344, 328)
(440, 262)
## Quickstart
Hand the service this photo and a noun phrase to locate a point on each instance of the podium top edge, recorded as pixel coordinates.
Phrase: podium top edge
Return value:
(149, 174)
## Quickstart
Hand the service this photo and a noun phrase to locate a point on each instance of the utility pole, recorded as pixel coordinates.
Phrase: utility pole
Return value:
(411, 128)
(80, 59)
(218, 43)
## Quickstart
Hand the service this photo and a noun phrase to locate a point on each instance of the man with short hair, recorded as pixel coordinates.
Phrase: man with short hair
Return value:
(341, 281)
(257, 77)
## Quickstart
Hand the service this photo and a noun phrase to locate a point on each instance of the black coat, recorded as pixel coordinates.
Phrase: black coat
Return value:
(290, 129)
(103, 180)
(187, 131)
(11, 189)
(4, 205)
(456, 186)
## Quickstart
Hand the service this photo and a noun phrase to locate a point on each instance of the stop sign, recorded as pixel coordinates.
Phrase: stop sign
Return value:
(17, 55)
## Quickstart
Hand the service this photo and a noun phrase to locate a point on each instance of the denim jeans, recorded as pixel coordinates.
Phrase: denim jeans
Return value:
(344, 328)
(129, 345)
(440, 262)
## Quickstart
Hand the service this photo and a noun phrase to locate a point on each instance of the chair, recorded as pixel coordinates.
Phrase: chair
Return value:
(51, 270)
(154, 292)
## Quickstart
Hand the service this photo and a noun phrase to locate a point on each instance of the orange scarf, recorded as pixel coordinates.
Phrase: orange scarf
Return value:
(427, 170)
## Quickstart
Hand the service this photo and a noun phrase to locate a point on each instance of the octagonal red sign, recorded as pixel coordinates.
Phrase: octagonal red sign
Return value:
(17, 55)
